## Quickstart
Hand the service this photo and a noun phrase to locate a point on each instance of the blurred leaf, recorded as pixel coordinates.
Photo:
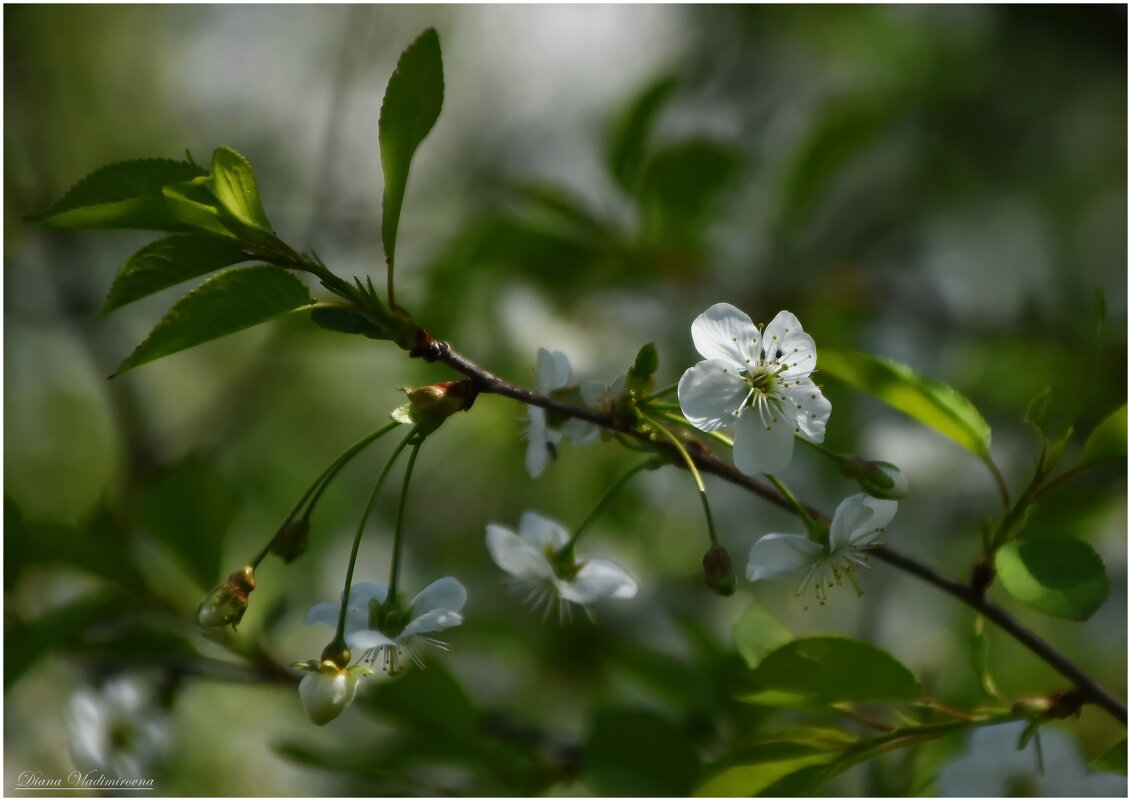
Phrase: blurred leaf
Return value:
(411, 107)
(129, 194)
(168, 262)
(626, 144)
(189, 508)
(561, 205)
(752, 780)
(799, 783)
(231, 301)
(1108, 440)
(758, 633)
(931, 402)
(1060, 576)
(980, 651)
(680, 185)
(636, 752)
(836, 669)
(233, 184)
(1114, 760)
(430, 701)
(1037, 412)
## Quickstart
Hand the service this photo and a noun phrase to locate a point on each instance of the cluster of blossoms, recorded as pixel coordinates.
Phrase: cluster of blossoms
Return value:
(118, 729)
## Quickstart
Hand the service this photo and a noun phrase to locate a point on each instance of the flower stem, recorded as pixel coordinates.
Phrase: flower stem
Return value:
(601, 504)
(339, 635)
(674, 440)
(659, 393)
(718, 436)
(398, 534)
(795, 504)
(319, 486)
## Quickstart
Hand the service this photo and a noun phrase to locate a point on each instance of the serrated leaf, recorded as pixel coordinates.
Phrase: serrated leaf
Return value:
(130, 194)
(1108, 440)
(834, 669)
(168, 262)
(931, 402)
(233, 184)
(758, 633)
(627, 142)
(411, 107)
(1060, 576)
(1114, 760)
(231, 301)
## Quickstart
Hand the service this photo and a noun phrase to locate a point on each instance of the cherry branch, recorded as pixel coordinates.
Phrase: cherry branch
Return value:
(1088, 690)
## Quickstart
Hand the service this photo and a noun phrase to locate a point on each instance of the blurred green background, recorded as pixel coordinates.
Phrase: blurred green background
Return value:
(944, 186)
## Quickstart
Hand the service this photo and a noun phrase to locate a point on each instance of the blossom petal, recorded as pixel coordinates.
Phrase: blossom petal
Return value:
(325, 613)
(553, 370)
(724, 332)
(580, 432)
(366, 639)
(538, 531)
(778, 555)
(515, 555)
(763, 444)
(711, 394)
(598, 578)
(446, 593)
(364, 592)
(325, 695)
(813, 408)
(537, 452)
(591, 392)
(435, 620)
(784, 335)
(858, 520)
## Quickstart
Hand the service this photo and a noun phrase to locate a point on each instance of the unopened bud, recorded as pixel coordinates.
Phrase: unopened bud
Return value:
(291, 541)
(878, 479)
(718, 572)
(428, 407)
(227, 603)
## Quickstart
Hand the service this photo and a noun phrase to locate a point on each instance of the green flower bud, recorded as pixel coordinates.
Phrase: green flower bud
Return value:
(227, 602)
(878, 479)
(291, 541)
(428, 407)
(718, 572)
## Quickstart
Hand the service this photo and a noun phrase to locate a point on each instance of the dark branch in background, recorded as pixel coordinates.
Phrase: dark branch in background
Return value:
(1088, 690)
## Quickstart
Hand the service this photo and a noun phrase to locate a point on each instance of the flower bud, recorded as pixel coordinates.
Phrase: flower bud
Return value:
(227, 602)
(326, 692)
(291, 541)
(718, 572)
(878, 479)
(428, 407)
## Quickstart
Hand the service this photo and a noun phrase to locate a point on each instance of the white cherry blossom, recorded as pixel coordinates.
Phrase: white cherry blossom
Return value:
(118, 729)
(856, 524)
(554, 373)
(757, 381)
(535, 560)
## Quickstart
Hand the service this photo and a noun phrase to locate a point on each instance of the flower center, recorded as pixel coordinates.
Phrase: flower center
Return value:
(388, 618)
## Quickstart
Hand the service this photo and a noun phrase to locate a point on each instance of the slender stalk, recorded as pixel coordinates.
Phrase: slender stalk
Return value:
(999, 479)
(795, 504)
(601, 504)
(674, 440)
(659, 393)
(398, 534)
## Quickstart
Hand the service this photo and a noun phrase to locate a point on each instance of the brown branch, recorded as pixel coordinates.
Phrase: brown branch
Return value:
(485, 381)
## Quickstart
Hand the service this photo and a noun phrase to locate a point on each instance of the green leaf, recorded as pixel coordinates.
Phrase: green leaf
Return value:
(931, 402)
(681, 184)
(226, 303)
(1108, 440)
(344, 320)
(233, 184)
(636, 752)
(752, 780)
(168, 262)
(758, 633)
(1060, 576)
(627, 141)
(130, 194)
(834, 669)
(980, 652)
(188, 508)
(1114, 760)
(412, 104)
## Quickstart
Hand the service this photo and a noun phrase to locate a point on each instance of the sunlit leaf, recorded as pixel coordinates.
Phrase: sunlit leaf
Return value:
(1060, 576)
(412, 104)
(931, 402)
(233, 184)
(835, 669)
(627, 141)
(226, 303)
(168, 262)
(758, 633)
(751, 780)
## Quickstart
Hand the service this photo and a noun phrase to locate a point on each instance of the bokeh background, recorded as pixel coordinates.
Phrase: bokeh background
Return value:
(945, 186)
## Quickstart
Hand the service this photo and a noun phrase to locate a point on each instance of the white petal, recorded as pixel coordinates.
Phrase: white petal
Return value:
(325, 695)
(368, 638)
(797, 350)
(591, 392)
(537, 454)
(724, 332)
(364, 592)
(515, 555)
(553, 370)
(325, 613)
(777, 555)
(580, 432)
(813, 409)
(435, 620)
(598, 578)
(858, 520)
(538, 531)
(446, 593)
(711, 394)
(761, 444)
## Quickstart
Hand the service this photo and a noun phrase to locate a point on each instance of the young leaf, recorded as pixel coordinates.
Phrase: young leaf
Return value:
(628, 136)
(931, 402)
(233, 184)
(129, 195)
(412, 104)
(1060, 576)
(835, 669)
(168, 262)
(226, 303)
(758, 633)
(1108, 440)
